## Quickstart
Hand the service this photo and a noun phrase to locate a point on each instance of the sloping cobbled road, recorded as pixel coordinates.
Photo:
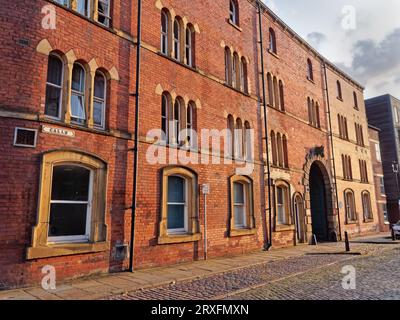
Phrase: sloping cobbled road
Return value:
(314, 276)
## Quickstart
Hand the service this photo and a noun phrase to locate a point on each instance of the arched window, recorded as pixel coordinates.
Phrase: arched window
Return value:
(310, 72)
(177, 120)
(231, 134)
(318, 123)
(78, 98)
(276, 93)
(272, 41)
(355, 100)
(339, 90)
(239, 138)
(178, 206)
(189, 45)
(310, 111)
(242, 213)
(274, 149)
(177, 40)
(281, 96)
(280, 149)
(191, 123)
(99, 100)
(270, 90)
(235, 71)
(285, 152)
(234, 12)
(164, 31)
(243, 76)
(350, 206)
(248, 141)
(282, 204)
(54, 87)
(165, 112)
(367, 209)
(228, 66)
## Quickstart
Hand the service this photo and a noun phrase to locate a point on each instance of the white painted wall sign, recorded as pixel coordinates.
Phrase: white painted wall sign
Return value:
(58, 131)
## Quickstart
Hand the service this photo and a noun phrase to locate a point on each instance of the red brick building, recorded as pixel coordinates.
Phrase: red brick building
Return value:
(67, 117)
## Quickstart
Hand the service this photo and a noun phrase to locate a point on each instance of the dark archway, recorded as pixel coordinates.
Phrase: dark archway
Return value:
(319, 207)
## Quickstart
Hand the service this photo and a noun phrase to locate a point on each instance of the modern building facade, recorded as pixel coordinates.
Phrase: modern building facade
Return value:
(383, 112)
(379, 179)
(275, 171)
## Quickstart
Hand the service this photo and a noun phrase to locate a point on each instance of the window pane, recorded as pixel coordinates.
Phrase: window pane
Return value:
(176, 190)
(99, 86)
(82, 7)
(54, 71)
(238, 191)
(176, 217)
(239, 216)
(53, 96)
(78, 79)
(67, 219)
(77, 107)
(98, 113)
(70, 183)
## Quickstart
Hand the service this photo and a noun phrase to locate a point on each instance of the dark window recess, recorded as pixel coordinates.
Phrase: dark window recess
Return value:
(25, 137)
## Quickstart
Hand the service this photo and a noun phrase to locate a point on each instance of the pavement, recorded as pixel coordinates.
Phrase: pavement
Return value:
(212, 279)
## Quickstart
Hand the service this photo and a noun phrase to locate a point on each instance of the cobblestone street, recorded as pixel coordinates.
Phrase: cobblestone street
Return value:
(312, 276)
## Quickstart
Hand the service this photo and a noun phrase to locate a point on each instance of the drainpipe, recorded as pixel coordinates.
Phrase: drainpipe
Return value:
(332, 146)
(268, 244)
(136, 147)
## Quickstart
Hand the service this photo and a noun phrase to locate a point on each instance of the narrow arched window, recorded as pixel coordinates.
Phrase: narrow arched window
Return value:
(165, 107)
(272, 41)
(273, 149)
(248, 141)
(270, 90)
(177, 120)
(54, 87)
(234, 12)
(231, 131)
(177, 40)
(191, 123)
(78, 98)
(243, 76)
(285, 152)
(189, 46)
(367, 209)
(281, 96)
(228, 66)
(310, 72)
(280, 149)
(350, 206)
(276, 93)
(239, 138)
(318, 123)
(339, 90)
(355, 100)
(310, 111)
(235, 71)
(99, 100)
(164, 31)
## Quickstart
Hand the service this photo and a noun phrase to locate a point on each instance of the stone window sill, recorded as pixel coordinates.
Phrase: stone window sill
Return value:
(64, 249)
(282, 227)
(351, 222)
(273, 53)
(234, 25)
(242, 232)
(368, 220)
(179, 238)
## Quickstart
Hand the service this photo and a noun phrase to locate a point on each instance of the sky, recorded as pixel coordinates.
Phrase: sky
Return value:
(362, 37)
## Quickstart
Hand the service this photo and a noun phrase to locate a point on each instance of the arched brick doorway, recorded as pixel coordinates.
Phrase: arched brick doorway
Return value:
(319, 199)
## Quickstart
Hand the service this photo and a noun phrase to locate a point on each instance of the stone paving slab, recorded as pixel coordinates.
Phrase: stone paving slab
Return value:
(120, 283)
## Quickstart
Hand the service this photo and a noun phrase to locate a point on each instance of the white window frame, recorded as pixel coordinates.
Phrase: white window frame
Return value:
(164, 118)
(378, 152)
(107, 15)
(189, 124)
(24, 145)
(79, 94)
(164, 33)
(241, 205)
(176, 122)
(177, 41)
(189, 47)
(282, 205)
(89, 203)
(58, 87)
(103, 102)
(88, 8)
(184, 230)
(233, 12)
